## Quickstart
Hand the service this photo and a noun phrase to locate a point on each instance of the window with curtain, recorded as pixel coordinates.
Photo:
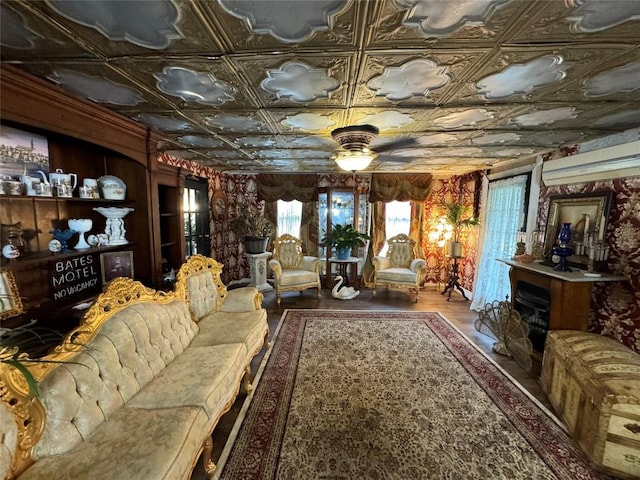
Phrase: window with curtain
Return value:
(505, 207)
(397, 220)
(289, 217)
(196, 217)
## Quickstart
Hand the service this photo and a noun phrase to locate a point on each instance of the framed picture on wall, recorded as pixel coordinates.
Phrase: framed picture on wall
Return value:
(588, 215)
(23, 153)
(116, 264)
(10, 301)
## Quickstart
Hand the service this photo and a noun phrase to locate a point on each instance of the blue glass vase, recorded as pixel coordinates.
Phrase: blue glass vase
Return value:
(564, 237)
(563, 250)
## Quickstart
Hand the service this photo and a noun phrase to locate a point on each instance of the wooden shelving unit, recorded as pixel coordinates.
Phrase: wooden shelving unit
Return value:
(90, 141)
(168, 187)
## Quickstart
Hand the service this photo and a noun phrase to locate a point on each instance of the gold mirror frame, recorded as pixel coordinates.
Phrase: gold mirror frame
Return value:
(10, 301)
(570, 209)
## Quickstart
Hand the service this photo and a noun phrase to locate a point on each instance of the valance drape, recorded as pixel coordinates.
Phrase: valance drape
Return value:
(387, 187)
(273, 187)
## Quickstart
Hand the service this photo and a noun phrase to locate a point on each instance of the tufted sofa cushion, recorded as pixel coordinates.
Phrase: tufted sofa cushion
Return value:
(203, 294)
(248, 328)
(131, 348)
(181, 385)
(8, 439)
(159, 445)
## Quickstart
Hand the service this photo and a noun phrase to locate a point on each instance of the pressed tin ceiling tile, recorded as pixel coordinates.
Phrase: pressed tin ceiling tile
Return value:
(452, 87)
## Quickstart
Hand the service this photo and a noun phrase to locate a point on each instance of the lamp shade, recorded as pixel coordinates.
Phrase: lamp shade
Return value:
(353, 161)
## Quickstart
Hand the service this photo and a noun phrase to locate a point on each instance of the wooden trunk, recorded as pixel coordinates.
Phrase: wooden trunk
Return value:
(593, 382)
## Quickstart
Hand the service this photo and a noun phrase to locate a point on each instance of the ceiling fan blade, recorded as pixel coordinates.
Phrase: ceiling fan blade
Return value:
(398, 144)
(394, 159)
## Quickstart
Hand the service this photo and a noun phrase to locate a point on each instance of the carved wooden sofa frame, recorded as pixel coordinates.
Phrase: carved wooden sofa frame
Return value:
(181, 400)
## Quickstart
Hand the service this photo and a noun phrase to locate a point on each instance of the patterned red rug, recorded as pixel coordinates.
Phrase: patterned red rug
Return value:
(391, 395)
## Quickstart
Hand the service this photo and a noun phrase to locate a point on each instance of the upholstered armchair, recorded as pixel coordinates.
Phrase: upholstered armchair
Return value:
(400, 268)
(293, 271)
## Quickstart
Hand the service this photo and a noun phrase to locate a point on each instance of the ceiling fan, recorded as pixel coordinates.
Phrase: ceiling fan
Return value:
(354, 140)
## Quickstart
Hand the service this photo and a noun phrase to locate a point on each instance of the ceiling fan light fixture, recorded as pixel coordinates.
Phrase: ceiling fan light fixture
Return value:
(353, 161)
(355, 137)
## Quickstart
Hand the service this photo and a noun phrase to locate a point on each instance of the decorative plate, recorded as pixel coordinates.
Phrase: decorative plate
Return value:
(111, 180)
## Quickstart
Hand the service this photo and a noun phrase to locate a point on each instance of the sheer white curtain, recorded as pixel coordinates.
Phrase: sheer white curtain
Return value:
(289, 217)
(397, 220)
(505, 206)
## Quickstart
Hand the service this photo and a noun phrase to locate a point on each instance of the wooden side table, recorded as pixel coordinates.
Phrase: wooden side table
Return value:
(453, 279)
(342, 268)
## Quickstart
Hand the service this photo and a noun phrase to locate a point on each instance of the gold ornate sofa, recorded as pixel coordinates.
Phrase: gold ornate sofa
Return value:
(593, 383)
(293, 271)
(137, 389)
(401, 267)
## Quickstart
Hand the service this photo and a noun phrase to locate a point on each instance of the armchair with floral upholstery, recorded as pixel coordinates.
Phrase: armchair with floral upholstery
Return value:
(401, 267)
(292, 270)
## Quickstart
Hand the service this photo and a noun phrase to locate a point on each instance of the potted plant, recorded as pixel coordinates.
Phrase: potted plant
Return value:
(455, 215)
(343, 238)
(253, 227)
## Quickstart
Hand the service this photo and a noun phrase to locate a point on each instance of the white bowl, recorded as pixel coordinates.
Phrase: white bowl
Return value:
(80, 224)
(113, 192)
(111, 180)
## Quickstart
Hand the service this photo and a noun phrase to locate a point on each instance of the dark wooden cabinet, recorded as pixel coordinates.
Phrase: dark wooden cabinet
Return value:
(90, 141)
(168, 188)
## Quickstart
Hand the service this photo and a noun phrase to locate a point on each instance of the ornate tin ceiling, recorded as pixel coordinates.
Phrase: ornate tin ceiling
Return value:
(452, 86)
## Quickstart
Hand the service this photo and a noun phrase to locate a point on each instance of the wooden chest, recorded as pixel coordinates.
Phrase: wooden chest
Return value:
(593, 382)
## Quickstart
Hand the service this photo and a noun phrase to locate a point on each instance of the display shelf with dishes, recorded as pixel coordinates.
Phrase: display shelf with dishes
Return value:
(87, 148)
(28, 259)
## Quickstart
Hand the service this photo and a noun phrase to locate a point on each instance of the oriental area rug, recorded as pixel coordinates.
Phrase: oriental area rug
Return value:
(391, 395)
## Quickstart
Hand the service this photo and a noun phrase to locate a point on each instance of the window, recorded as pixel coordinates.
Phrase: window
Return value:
(196, 217)
(398, 220)
(289, 217)
(505, 204)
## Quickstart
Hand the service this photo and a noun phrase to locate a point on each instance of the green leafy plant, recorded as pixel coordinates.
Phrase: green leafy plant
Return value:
(248, 222)
(344, 236)
(455, 214)
(28, 345)
(17, 345)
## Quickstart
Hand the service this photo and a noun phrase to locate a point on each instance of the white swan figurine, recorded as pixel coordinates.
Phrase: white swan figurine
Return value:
(344, 293)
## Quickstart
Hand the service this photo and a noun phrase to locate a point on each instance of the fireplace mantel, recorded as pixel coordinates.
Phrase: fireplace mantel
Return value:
(569, 293)
(576, 275)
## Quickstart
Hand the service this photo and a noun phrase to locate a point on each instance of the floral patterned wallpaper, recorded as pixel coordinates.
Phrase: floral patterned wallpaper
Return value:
(615, 306)
(463, 189)
(242, 189)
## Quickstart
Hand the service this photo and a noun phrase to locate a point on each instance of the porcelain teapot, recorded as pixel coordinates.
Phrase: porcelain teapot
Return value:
(60, 178)
(30, 184)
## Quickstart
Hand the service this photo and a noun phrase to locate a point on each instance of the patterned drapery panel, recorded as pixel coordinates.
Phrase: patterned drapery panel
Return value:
(387, 187)
(309, 228)
(273, 187)
(416, 228)
(378, 237)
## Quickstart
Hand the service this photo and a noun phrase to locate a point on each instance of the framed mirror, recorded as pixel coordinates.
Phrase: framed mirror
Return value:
(588, 215)
(10, 302)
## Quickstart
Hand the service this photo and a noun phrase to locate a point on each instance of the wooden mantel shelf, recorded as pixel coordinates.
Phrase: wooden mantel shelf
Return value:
(576, 275)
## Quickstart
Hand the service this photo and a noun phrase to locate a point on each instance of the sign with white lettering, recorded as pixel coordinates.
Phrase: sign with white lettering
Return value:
(74, 275)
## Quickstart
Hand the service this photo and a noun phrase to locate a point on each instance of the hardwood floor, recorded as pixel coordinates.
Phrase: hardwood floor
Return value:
(456, 311)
